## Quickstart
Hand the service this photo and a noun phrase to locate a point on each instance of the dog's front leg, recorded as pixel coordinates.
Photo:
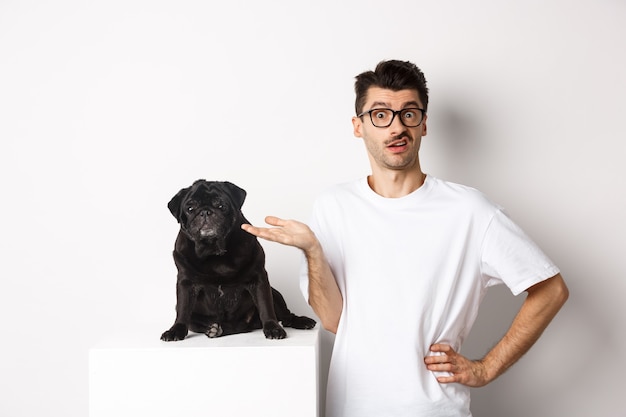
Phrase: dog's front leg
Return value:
(262, 296)
(186, 294)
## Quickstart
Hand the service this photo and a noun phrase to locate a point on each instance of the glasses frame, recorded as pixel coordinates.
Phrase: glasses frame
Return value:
(394, 112)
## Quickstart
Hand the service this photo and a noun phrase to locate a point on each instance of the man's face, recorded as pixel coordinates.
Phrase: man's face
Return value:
(395, 147)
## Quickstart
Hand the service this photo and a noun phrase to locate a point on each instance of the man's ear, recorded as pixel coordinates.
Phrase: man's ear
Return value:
(357, 125)
(423, 126)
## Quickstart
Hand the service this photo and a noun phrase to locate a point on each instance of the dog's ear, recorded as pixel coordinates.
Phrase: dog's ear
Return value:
(176, 201)
(238, 195)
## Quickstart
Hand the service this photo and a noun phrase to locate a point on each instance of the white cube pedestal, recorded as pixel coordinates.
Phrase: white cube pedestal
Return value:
(242, 375)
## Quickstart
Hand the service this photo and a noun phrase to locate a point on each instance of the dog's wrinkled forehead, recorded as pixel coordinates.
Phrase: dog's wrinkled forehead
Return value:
(207, 191)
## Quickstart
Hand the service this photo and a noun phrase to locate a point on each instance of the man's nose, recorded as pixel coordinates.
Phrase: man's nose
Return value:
(396, 124)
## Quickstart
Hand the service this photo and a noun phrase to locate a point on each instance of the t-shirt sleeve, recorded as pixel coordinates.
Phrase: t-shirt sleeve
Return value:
(323, 223)
(509, 256)
(304, 278)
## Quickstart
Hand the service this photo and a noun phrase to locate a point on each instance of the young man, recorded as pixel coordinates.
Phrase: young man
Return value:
(397, 264)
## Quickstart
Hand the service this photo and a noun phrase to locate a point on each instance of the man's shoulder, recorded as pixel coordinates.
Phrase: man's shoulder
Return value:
(337, 199)
(340, 190)
(461, 194)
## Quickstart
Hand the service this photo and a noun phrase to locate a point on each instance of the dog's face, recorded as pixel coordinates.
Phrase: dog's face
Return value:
(207, 212)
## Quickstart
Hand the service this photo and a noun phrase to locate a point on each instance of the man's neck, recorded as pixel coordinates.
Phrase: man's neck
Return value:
(396, 184)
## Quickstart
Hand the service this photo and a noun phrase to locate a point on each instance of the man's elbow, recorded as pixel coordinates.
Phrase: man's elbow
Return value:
(330, 325)
(328, 313)
(329, 322)
(553, 291)
(560, 290)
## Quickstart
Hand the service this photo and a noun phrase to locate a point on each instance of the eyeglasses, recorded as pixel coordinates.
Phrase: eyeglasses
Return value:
(409, 117)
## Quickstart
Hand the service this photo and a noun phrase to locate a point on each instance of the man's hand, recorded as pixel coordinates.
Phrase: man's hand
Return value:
(287, 232)
(461, 369)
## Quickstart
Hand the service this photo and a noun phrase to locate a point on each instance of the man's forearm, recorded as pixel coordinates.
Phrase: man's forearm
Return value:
(324, 294)
(543, 302)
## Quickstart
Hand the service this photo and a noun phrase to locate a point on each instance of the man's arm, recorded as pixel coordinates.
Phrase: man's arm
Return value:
(544, 300)
(324, 295)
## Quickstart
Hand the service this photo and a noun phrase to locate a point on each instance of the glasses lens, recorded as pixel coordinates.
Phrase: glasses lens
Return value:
(381, 117)
(411, 117)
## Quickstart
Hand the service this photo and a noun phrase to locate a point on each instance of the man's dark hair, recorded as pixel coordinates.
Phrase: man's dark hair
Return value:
(392, 75)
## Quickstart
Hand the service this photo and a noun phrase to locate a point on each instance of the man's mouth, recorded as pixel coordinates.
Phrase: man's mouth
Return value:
(398, 144)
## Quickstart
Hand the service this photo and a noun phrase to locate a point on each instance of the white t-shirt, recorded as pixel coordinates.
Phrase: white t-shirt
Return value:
(412, 271)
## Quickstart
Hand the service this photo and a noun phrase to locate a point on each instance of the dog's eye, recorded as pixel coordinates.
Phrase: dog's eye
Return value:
(218, 204)
(190, 209)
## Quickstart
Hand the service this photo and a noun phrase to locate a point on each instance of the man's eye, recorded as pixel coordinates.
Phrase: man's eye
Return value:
(409, 115)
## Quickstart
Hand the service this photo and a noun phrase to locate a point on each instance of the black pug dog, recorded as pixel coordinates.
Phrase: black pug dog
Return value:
(222, 285)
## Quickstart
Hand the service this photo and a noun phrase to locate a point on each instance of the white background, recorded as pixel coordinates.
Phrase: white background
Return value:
(108, 108)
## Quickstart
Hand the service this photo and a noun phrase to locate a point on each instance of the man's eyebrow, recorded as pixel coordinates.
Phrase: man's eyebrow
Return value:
(378, 104)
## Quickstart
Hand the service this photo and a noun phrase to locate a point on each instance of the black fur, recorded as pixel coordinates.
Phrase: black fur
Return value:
(222, 286)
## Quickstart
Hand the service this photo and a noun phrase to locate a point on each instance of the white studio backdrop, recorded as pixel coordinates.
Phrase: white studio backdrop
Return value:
(108, 108)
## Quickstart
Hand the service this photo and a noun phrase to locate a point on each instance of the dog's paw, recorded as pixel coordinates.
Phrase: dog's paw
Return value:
(303, 322)
(273, 330)
(177, 332)
(215, 330)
